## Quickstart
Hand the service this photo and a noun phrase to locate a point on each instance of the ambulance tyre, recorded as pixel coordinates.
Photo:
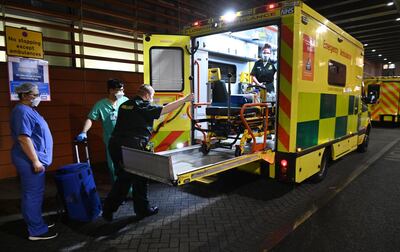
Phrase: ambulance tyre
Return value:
(319, 176)
(364, 146)
(205, 148)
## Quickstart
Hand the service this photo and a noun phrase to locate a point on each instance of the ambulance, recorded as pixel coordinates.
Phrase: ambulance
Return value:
(316, 114)
(383, 94)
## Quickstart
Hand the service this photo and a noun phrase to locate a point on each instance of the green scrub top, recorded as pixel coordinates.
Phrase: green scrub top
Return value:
(108, 114)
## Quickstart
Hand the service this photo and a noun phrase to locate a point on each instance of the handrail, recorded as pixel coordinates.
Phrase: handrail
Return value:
(255, 147)
(197, 126)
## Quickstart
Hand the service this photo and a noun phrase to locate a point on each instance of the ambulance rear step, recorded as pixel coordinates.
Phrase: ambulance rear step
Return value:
(181, 166)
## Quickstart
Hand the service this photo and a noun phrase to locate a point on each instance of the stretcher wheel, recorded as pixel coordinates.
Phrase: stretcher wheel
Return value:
(238, 151)
(205, 148)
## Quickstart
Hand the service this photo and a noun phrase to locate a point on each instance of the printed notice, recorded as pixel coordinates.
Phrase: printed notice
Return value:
(21, 70)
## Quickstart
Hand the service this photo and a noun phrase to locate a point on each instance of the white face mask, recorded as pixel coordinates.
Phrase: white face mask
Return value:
(265, 57)
(36, 101)
(119, 94)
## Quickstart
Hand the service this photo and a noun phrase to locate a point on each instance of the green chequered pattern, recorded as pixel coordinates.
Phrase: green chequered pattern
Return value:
(324, 117)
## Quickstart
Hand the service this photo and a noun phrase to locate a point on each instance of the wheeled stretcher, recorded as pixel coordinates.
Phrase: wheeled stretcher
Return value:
(231, 119)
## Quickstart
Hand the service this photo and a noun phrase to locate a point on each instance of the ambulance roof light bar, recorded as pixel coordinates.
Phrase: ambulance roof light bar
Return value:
(229, 16)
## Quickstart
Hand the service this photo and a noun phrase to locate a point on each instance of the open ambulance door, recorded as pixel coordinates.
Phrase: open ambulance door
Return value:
(167, 69)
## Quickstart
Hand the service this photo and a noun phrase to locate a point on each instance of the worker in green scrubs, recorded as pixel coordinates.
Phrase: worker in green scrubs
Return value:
(106, 110)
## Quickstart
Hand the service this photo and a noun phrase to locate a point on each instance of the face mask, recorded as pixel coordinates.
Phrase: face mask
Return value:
(36, 101)
(265, 57)
(119, 94)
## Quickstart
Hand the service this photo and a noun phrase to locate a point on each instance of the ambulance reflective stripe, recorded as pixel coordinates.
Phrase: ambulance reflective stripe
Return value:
(165, 140)
(285, 85)
(324, 117)
(388, 102)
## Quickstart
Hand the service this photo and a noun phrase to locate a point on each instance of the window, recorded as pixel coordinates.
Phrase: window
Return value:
(225, 70)
(336, 73)
(373, 93)
(166, 69)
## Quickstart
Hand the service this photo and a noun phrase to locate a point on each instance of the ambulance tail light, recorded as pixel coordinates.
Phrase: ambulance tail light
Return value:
(271, 6)
(284, 168)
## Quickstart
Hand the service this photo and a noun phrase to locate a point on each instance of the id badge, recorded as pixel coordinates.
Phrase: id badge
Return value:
(113, 116)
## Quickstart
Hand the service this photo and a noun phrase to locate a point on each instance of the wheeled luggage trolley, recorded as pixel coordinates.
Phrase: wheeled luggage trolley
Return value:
(76, 186)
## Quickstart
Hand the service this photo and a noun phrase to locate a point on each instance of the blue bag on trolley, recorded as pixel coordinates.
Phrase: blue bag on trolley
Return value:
(76, 186)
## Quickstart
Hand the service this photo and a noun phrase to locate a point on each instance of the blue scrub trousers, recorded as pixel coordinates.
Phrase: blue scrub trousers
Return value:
(32, 193)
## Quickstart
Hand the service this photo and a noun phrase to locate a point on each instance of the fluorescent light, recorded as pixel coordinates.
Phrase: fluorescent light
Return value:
(365, 44)
(397, 19)
(379, 55)
(389, 4)
(389, 62)
(385, 59)
(373, 50)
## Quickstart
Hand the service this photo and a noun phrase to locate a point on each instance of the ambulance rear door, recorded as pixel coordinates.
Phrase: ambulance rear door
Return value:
(167, 69)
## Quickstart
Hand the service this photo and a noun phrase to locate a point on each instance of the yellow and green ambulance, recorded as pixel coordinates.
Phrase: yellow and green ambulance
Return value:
(317, 112)
(384, 96)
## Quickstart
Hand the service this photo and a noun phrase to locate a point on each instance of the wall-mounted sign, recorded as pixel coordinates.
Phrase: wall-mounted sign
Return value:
(21, 70)
(24, 43)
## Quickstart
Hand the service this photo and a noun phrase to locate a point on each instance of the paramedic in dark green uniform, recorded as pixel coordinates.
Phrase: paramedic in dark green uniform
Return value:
(133, 129)
(106, 110)
(264, 70)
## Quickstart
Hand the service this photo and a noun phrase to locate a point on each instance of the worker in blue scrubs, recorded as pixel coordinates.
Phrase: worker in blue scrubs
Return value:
(32, 153)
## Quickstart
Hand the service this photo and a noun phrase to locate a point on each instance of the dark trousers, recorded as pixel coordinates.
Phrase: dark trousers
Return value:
(126, 180)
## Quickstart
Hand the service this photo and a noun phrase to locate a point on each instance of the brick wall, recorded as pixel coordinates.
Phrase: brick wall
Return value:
(73, 93)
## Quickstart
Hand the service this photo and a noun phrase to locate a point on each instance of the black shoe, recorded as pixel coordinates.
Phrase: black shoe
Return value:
(108, 216)
(151, 211)
(46, 236)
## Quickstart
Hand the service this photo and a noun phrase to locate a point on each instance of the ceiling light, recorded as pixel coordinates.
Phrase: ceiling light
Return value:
(373, 50)
(389, 62)
(389, 4)
(397, 19)
(365, 44)
(379, 55)
(385, 59)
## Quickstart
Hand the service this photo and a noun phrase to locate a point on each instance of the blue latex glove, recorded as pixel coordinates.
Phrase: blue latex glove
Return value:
(81, 137)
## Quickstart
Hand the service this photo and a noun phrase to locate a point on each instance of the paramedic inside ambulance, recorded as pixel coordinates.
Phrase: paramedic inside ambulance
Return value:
(263, 72)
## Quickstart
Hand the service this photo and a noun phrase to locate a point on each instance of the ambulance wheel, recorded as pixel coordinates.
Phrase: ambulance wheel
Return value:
(319, 176)
(205, 148)
(364, 146)
(238, 151)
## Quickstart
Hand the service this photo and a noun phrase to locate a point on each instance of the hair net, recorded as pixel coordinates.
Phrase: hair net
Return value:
(25, 88)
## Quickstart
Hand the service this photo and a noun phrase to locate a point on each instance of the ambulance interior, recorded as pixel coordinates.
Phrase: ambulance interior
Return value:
(234, 54)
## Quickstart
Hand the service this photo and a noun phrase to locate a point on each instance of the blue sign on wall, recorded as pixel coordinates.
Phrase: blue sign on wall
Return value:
(23, 70)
